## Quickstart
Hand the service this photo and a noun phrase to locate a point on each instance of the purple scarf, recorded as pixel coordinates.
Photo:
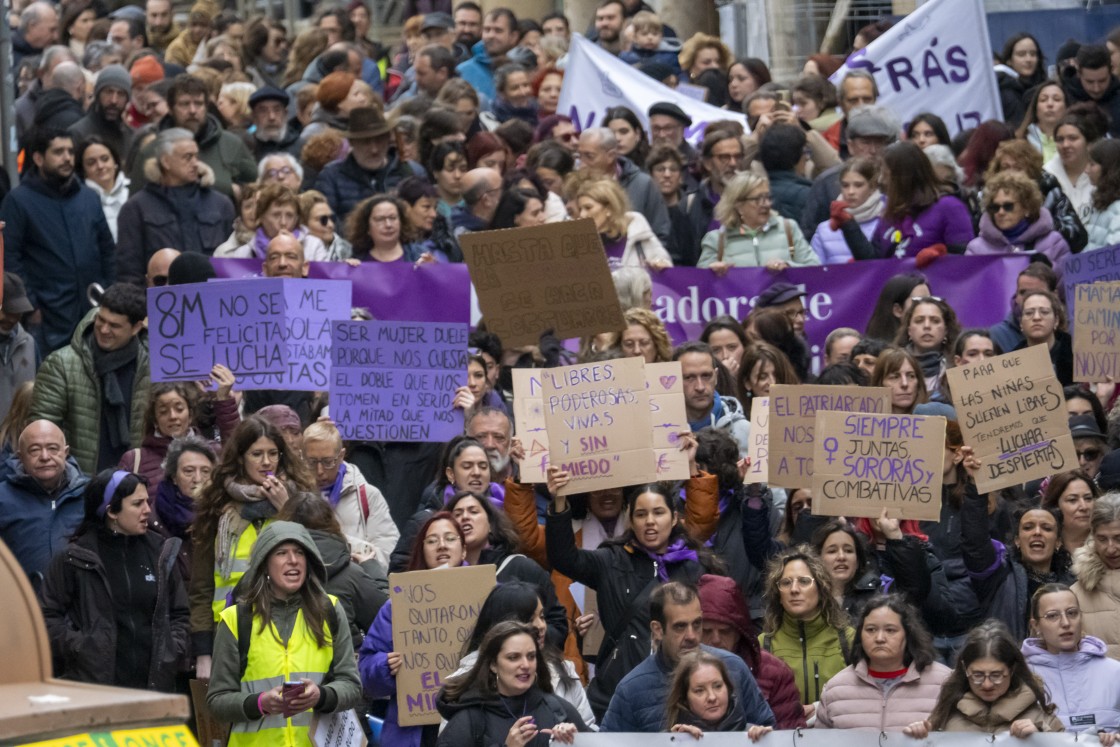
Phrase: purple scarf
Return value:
(175, 510)
(336, 489)
(674, 553)
(497, 494)
(260, 241)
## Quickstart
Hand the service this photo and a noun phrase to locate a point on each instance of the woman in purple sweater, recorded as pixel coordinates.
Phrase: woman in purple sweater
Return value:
(921, 212)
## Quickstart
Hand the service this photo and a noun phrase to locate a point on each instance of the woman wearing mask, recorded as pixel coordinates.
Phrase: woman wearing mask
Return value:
(990, 690)
(928, 330)
(855, 215)
(1097, 567)
(893, 680)
(113, 601)
(1082, 680)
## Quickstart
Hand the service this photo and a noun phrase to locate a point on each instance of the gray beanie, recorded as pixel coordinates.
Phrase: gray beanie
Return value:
(115, 76)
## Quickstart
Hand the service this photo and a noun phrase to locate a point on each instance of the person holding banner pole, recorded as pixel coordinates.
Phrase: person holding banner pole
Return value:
(702, 698)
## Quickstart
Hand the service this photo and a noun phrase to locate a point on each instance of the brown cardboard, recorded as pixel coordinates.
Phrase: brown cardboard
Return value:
(528, 414)
(210, 730)
(433, 613)
(668, 419)
(865, 463)
(758, 448)
(598, 421)
(793, 412)
(1096, 332)
(593, 639)
(1012, 412)
(551, 277)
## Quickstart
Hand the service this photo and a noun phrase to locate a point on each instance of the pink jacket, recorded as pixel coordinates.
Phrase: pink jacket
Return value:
(853, 699)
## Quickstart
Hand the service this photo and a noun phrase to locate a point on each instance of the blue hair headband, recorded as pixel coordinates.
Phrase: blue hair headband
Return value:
(110, 489)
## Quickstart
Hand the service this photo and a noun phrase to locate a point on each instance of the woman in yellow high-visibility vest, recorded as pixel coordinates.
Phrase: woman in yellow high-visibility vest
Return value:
(257, 474)
(298, 656)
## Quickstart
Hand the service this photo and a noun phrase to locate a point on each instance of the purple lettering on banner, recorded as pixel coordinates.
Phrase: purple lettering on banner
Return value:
(396, 381)
(273, 333)
(396, 291)
(978, 288)
(1088, 267)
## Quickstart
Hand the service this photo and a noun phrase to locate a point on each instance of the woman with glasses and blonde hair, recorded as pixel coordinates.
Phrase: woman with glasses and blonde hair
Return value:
(627, 237)
(645, 337)
(753, 235)
(804, 624)
(1082, 680)
(990, 690)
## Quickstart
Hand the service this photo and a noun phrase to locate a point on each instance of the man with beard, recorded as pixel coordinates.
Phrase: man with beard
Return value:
(609, 19)
(268, 107)
(598, 152)
(499, 36)
(56, 238)
(468, 28)
(106, 116)
(721, 155)
(38, 28)
(222, 151)
(492, 428)
(176, 208)
(162, 28)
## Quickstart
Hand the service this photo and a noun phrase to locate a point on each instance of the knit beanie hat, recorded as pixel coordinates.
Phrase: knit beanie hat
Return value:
(113, 76)
(146, 71)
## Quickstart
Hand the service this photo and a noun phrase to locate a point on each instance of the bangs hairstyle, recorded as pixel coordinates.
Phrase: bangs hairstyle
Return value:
(890, 361)
(652, 324)
(831, 527)
(416, 560)
(163, 388)
(502, 534)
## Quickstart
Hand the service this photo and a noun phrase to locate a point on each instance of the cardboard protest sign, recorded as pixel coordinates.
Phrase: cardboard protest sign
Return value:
(530, 280)
(793, 412)
(1013, 414)
(273, 333)
(1096, 352)
(668, 418)
(758, 450)
(598, 423)
(434, 612)
(864, 463)
(593, 638)
(528, 413)
(339, 729)
(1088, 267)
(396, 381)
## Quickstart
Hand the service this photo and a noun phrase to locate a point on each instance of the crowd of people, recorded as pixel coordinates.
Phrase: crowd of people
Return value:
(197, 530)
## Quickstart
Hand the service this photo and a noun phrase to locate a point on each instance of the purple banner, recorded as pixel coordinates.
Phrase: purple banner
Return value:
(1088, 267)
(273, 333)
(395, 381)
(978, 288)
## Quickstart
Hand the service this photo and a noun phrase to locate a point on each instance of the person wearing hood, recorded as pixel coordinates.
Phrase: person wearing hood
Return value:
(1083, 681)
(105, 118)
(1097, 567)
(114, 601)
(728, 626)
(704, 406)
(354, 575)
(52, 221)
(509, 677)
(499, 35)
(177, 207)
(40, 501)
(1094, 82)
(284, 628)
(188, 100)
(1014, 221)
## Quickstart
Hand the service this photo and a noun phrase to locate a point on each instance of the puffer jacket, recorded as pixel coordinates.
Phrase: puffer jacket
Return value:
(1062, 212)
(1084, 685)
(36, 524)
(80, 614)
(727, 415)
(953, 606)
(362, 589)
(488, 718)
(973, 714)
(1039, 238)
(1103, 227)
(747, 248)
(345, 183)
(722, 602)
(68, 393)
(1098, 593)
(153, 450)
(832, 247)
(642, 246)
(813, 649)
(853, 699)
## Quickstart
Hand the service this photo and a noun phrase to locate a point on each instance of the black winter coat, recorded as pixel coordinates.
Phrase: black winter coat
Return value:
(82, 623)
(345, 183)
(475, 719)
(362, 590)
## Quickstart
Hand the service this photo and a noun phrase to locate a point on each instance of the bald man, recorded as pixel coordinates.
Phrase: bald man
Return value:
(482, 191)
(159, 266)
(284, 257)
(41, 499)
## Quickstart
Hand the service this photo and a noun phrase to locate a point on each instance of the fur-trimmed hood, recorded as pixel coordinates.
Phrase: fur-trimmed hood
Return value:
(1088, 566)
(152, 173)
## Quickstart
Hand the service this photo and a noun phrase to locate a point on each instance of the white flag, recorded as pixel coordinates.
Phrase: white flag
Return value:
(595, 80)
(937, 59)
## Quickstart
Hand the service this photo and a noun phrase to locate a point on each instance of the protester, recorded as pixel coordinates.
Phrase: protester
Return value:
(627, 236)
(1043, 322)
(1046, 107)
(1103, 222)
(1015, 221)
(1096, 565)
(902, 374)
(702, 698)
(1074, 133)
(856, 212)
(1072, 494)
(927, 331)
(100, 166)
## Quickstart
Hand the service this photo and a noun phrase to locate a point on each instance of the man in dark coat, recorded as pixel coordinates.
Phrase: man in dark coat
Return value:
(175, 209)
(56, 238)
(1095, 82)
(106, 115)
(38, 28)
(373, 165)
(272, 133)
(60, 105)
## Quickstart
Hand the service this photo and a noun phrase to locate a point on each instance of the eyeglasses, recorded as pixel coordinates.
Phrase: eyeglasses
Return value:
(765, 199)
(281, 173)
(803, 582)
(325, 463)
(801, 313)
(435, 540)
(977, 678)
(637, 344)
(325, 220)
(1001, 207)
(1041, 312)
(1089, 455)
(386, 219)
(921, 299)
(1053, 616)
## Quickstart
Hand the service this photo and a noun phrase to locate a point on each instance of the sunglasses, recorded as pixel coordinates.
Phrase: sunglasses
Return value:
(1089, 455)
(325, 220)
(1001, 207)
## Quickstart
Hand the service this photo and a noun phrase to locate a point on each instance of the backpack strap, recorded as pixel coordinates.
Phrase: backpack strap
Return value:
(505, 562)
(363, 499)
(722, 244)
(136, 461)
(789, 237)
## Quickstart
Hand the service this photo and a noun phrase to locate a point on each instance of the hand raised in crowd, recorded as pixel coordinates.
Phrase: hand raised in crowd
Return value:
(1104, 390)
(584, 623)
(557, 479)
(686, 442)
(275, 490)
(224, 379)
(887, 526)
(516, 451)
(970, 461)
(744, 465)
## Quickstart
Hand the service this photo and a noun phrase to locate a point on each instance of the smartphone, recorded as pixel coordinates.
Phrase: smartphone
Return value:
(291, 689)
